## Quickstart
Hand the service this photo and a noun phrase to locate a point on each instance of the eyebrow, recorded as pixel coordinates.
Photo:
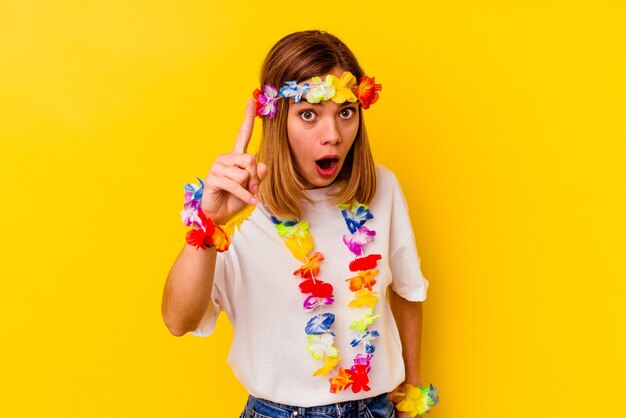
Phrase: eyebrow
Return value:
(344, 104)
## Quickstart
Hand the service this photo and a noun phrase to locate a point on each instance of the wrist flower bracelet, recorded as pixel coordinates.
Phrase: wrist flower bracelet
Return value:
(414, 400)
(208, 235)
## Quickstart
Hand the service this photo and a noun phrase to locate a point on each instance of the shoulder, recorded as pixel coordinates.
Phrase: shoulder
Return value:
(388, 190)
(386, 179)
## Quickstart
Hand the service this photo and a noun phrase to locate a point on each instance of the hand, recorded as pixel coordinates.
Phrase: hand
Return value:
(234, 179)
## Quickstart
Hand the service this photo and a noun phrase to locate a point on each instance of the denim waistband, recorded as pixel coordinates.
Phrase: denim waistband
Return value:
(273, 409)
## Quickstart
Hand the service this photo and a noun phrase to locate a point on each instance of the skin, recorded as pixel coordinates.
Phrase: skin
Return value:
(408, 317)
(317, 130)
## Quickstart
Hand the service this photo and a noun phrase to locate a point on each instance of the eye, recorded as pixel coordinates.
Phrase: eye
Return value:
(347, 112)
(308, 115)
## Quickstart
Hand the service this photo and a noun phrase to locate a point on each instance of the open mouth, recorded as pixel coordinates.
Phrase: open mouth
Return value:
(327, 163)
(327, 166)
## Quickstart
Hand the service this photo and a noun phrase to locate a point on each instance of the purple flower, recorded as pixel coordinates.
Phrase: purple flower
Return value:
(361, 360)
(266, 101)
(190, 214)
(313, 302)
(357, 241)
(193, 194)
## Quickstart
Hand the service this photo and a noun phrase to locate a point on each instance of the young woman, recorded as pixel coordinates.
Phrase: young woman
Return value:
(322, 281)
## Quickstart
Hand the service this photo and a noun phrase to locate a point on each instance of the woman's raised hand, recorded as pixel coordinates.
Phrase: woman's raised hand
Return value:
(234, 179)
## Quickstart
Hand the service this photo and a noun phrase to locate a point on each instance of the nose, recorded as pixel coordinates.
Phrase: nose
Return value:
(330, 134)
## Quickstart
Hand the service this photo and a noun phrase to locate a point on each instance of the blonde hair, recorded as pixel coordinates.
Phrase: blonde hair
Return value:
(299, 56)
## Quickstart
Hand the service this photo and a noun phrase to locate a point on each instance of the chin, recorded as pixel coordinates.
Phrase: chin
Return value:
(323, 182)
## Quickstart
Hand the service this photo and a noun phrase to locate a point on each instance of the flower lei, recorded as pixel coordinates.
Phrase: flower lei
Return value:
(208, 234)
(338, 89)
(414, 400)
(320, 336)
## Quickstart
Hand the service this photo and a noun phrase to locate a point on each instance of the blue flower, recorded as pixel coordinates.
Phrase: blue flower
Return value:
(293, 89)
(356, 219)
(193, 192)
(434, 394)
(367, 337)
(320, 324)
(287, 222)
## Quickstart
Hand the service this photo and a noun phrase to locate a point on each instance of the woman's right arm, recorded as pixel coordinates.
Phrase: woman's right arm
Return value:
(231, 185)
(188, 289)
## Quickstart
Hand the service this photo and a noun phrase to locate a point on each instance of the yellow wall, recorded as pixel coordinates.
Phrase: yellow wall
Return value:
(503, 121)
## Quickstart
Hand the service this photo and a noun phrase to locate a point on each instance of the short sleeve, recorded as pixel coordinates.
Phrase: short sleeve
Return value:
(404, 261)
(407, 278)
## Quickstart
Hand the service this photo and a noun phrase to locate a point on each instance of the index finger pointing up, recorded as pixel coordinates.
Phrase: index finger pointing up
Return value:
(245, 131)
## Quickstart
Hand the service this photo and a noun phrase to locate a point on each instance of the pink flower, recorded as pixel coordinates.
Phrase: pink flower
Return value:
(266, 101)
(313, 302)
(361, 360)
(357, 241)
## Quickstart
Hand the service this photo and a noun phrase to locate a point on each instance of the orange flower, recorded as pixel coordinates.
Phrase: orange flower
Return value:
(221, 239)
(340, 382)
(365, 279)
(310, 269)
(236, 220)
(367, 91)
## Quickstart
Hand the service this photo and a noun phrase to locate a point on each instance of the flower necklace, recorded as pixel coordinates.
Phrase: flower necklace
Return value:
(320, 336)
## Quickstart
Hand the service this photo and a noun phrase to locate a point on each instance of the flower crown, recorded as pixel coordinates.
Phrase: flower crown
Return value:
(339, 90)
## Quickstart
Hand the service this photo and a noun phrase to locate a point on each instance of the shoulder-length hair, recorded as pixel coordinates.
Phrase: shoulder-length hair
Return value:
(300, 56)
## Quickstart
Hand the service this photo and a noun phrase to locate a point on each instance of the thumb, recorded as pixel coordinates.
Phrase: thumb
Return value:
(261, 171)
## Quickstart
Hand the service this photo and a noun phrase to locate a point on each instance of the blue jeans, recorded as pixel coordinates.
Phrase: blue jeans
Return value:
(375, 407)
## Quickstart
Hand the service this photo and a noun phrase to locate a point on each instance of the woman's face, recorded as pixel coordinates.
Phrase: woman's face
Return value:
(320, 136)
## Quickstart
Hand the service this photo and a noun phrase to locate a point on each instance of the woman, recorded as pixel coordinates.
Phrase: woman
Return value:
(314, 176)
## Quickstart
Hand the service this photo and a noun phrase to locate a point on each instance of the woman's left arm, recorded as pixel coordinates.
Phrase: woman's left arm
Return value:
(408, 316)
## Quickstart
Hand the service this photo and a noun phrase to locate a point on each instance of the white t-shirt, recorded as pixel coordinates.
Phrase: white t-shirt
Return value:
(256, 287)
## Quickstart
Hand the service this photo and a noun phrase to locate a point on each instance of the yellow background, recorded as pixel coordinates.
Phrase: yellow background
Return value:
(504, 122)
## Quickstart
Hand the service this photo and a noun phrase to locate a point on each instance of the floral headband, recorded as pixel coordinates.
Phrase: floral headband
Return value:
(339, 90)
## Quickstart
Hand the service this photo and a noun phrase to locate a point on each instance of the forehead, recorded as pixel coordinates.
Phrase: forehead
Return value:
(328, 104)
(324, 104)
(336, 71)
